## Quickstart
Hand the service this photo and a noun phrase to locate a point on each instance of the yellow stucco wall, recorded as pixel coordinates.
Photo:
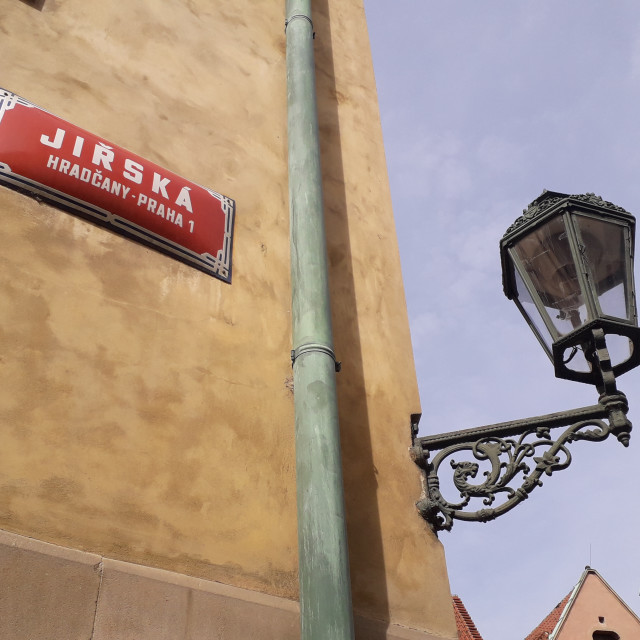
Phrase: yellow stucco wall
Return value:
(146, 408)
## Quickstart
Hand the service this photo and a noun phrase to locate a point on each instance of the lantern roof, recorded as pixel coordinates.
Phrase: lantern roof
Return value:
(546, 205)
(549, 201)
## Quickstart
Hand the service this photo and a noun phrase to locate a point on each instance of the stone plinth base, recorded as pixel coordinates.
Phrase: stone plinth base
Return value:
(49, 592)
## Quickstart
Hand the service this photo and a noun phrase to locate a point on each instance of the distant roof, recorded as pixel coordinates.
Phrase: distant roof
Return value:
(466, 629)
(552, 625)
(544, 629)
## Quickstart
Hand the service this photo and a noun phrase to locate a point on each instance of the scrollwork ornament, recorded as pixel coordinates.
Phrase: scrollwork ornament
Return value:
(534, 210)
(507, 458)
(592, 198)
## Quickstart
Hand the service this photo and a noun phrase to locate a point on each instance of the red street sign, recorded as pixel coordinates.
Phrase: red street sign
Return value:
(72, 168)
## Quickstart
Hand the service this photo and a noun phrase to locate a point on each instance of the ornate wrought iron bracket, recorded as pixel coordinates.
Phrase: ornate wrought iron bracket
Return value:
(518, 451)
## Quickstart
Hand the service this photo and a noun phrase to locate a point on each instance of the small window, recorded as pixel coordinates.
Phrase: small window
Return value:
(605, 635)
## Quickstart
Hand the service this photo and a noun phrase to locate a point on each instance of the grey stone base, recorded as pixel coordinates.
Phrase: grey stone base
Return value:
(49, 592)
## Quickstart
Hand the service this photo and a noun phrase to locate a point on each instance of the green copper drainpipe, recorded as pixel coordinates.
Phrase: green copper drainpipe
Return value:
(325, 590)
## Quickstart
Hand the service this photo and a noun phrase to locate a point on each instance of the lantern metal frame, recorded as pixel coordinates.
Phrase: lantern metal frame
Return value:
(525, 450)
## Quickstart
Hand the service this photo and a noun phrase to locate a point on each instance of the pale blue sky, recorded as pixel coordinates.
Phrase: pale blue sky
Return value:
(485, 104)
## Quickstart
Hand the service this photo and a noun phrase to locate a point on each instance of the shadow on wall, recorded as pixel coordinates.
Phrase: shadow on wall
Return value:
(368, 578)
(36, 4)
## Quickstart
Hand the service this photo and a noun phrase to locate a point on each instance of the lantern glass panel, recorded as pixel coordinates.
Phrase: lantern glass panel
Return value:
(576, 359)
(532, 313)
(545, 254)
(605, 254)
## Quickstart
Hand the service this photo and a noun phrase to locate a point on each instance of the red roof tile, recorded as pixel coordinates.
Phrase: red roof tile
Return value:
(466, 629)
(544, 629)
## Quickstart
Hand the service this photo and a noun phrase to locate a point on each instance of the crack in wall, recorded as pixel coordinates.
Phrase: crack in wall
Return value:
(100, 570)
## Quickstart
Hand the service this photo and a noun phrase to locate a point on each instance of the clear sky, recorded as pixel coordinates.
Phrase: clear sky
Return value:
(484, 105)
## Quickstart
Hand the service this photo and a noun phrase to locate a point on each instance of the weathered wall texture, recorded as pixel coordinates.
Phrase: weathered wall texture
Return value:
(145, 408)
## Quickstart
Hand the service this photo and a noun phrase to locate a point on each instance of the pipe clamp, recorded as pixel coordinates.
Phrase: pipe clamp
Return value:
(299, 15)
(317, 347)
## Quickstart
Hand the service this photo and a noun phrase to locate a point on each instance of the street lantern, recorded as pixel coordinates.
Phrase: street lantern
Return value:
(567, 263)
